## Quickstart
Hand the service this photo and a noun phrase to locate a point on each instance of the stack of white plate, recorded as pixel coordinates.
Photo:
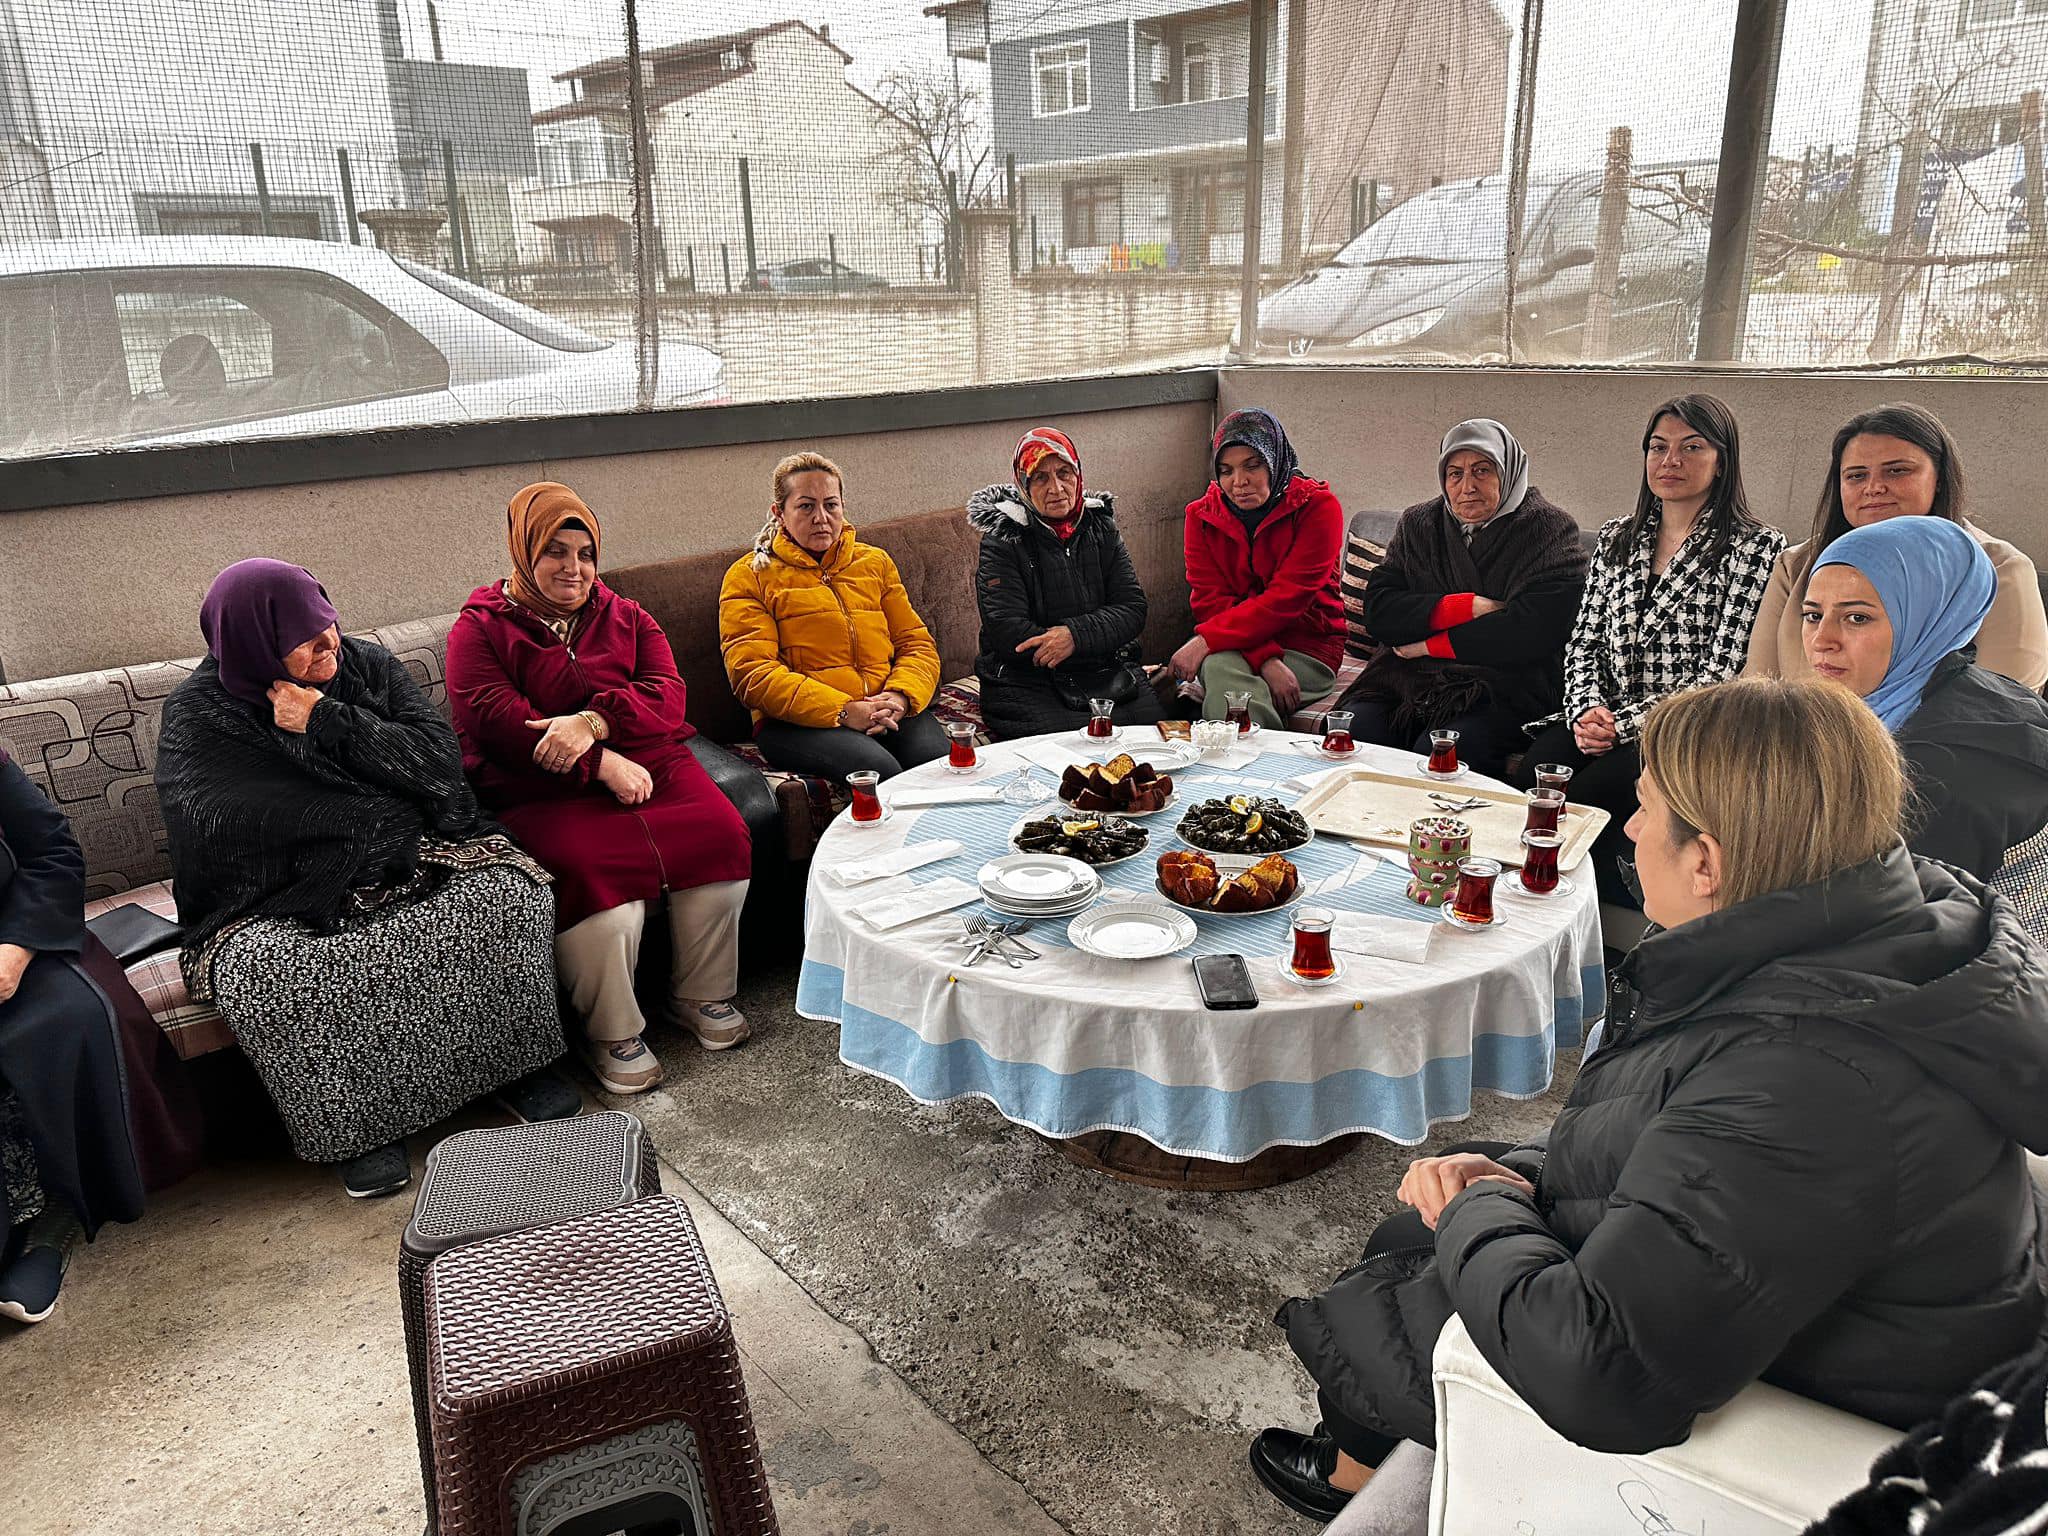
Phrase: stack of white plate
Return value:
(1038, 885)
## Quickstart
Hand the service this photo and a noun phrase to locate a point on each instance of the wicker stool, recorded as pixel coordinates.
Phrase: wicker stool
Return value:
(589, 1366)
(485, 1183)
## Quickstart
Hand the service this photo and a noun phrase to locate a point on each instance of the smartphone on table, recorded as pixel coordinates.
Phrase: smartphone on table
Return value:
(1225, 981)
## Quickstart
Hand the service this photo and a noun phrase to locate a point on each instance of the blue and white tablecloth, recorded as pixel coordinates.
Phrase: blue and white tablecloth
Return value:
(1073, 1043)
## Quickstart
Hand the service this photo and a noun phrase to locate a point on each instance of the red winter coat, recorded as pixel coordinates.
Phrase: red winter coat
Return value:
(1278, 593)
(506, 667)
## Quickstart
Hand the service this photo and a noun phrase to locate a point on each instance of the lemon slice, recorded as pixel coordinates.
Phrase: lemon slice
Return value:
(1240, 804)
(1076, 828)
(1252, 826)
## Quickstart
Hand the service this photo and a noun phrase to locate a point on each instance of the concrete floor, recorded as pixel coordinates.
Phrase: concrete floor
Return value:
(234, 1365)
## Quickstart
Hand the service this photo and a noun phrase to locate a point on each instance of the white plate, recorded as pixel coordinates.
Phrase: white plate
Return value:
(1300, 891)
(1171, 801)
(1065, 909)
(1025, 821)
(1165, 756)
(1036, 879)
(1132, 930)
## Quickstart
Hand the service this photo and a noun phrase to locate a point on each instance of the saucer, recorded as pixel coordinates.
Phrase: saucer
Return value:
(1287, 973)
(1514, 887)
(1422, 767)
(887, 813)
(1445, 914)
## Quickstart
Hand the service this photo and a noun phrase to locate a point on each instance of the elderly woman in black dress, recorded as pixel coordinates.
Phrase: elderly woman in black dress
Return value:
(382, 953)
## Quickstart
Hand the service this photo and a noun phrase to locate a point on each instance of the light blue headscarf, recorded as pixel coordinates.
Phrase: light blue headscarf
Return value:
(1936, 584)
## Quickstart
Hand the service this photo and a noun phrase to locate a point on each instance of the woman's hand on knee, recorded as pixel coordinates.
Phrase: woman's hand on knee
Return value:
(1186, 663)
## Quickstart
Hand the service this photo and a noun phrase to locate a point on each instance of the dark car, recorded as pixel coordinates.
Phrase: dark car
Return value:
(1429, 279)
(816, 276)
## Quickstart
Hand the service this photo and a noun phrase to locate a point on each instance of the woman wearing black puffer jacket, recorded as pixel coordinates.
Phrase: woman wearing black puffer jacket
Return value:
(1061, 607)
(1795, 1155)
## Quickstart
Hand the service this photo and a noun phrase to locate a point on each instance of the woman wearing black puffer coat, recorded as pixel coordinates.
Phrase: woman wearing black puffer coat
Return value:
(1795, 1155)
(1061, 607)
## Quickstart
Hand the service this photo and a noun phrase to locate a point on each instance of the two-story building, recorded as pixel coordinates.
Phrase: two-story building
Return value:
(1127, 118)
(821, 163)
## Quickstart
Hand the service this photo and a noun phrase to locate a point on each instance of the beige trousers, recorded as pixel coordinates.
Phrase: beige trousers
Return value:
(594, 960)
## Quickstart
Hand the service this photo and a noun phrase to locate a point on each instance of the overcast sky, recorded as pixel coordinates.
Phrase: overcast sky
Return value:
(1661, 69)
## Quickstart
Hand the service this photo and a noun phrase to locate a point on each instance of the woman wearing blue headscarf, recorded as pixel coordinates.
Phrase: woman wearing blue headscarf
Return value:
(1892, 612)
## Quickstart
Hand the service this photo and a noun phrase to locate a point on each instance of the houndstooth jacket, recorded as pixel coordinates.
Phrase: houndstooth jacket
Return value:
(1632, 645)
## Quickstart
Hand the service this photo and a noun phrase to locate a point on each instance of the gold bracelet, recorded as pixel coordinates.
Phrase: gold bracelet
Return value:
(595, 721)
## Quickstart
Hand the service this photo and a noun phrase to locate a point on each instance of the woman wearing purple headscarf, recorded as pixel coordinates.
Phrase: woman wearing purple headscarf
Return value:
(381, 951)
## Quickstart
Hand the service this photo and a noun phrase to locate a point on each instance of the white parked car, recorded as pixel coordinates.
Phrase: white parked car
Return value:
(210, 339)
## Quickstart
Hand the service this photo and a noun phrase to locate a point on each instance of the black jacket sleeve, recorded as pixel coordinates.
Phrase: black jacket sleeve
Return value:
(1738, 1218)
(410, 750)
(1121, 618)
(1532, 627)
(1971, 806)
(1003, 596)
(1395, 612)
(42, 908)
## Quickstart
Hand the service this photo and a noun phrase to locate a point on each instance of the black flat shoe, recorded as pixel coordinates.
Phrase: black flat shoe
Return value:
(1296, 1470)
(541, 1095)
(379, 1171)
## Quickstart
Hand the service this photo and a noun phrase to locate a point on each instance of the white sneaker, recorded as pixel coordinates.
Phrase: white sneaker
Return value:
(717, 1026)
(622, 1066)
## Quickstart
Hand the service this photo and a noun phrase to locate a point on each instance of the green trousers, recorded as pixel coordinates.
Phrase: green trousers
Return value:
(1228, 672)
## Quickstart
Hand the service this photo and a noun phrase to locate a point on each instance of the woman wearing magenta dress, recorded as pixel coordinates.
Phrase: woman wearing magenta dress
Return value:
(570, 711)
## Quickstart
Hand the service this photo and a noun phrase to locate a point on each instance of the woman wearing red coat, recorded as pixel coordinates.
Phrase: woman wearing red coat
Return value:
(1262, 548)
(570, 711)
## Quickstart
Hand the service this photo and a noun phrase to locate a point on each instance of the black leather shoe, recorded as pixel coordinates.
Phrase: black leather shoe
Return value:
(1296, 1470)
(541, 1095)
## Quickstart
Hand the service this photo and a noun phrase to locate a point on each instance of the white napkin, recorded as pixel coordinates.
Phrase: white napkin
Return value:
(1230, 757)
(900, 862)
(944, 794)
(1054, 756)
(941, 895)
(1383, 938)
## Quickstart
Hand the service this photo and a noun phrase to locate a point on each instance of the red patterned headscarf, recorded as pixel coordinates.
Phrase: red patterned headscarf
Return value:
(1035, 446)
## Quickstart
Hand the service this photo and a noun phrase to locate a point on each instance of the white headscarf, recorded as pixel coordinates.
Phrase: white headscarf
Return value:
(1498, 444)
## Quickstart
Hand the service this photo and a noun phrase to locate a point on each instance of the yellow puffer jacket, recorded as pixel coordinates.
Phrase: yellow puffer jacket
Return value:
(803, 636)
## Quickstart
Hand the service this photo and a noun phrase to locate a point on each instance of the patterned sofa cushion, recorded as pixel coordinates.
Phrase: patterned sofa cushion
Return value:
(194, 1028)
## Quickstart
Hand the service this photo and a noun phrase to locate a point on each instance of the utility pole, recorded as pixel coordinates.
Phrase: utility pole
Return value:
(1254, 187)
(646, 315)
(1293, 192)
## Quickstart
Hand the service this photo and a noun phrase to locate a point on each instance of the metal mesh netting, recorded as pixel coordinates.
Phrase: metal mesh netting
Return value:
(229, 218)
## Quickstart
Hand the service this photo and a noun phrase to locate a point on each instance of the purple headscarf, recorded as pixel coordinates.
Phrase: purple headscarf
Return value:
(256, 613)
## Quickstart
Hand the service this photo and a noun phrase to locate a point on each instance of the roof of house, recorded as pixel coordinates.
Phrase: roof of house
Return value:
(696, 45)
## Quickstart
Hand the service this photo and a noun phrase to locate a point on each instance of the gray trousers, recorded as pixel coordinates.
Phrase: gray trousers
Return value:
(594, 961)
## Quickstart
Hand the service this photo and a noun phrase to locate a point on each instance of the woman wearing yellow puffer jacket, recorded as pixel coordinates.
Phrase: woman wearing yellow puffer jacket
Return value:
(821, 642)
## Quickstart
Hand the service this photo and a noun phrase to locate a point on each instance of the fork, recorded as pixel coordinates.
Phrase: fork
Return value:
(1444, 801)
(1009, 932)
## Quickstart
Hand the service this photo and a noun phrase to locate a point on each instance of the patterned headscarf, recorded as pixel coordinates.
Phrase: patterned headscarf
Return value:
(1936, 584)
(256, 613)
(1498, 444)
(536, 515)
(1033, 449)
(1261, 432)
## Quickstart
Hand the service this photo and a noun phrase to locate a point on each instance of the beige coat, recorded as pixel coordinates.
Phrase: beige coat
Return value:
(2013, 641)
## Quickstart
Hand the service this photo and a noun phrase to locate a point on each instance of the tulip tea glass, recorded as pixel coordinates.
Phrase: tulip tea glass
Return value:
(1237, 709)
(1100, 718)
(867, 805)
(959, 746)
(1554, 776)
(1546, 806)
(1312, 960)
(1337, 731)
(1539, 862)
(1474, 901)
(1443, 752)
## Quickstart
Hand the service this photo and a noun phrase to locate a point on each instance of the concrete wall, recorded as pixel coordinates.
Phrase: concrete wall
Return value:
(121, 581)
(1373, 433)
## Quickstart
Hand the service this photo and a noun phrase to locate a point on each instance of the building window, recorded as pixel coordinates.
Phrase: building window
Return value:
(1202, 55)
(1094, 212)
(584, 157)
(1062, 76)
(1990, 13)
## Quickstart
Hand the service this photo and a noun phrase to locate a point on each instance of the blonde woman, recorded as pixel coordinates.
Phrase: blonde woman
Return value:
(1795, 1155)
(820, 640)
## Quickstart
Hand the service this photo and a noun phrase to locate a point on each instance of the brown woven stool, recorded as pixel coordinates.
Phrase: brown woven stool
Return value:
(507, 1178)
(582, 1367)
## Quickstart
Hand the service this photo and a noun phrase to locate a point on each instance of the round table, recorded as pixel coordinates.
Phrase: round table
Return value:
(1074, 1046)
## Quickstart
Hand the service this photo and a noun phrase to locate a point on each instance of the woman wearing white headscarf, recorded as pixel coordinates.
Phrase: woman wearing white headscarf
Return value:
(1472, 606)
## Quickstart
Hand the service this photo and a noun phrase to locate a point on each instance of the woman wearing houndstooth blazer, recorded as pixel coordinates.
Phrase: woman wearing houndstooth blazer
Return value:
(1673, 593)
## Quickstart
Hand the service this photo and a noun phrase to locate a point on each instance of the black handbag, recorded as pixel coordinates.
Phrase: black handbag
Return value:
(133, 932)
(1121, 685)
